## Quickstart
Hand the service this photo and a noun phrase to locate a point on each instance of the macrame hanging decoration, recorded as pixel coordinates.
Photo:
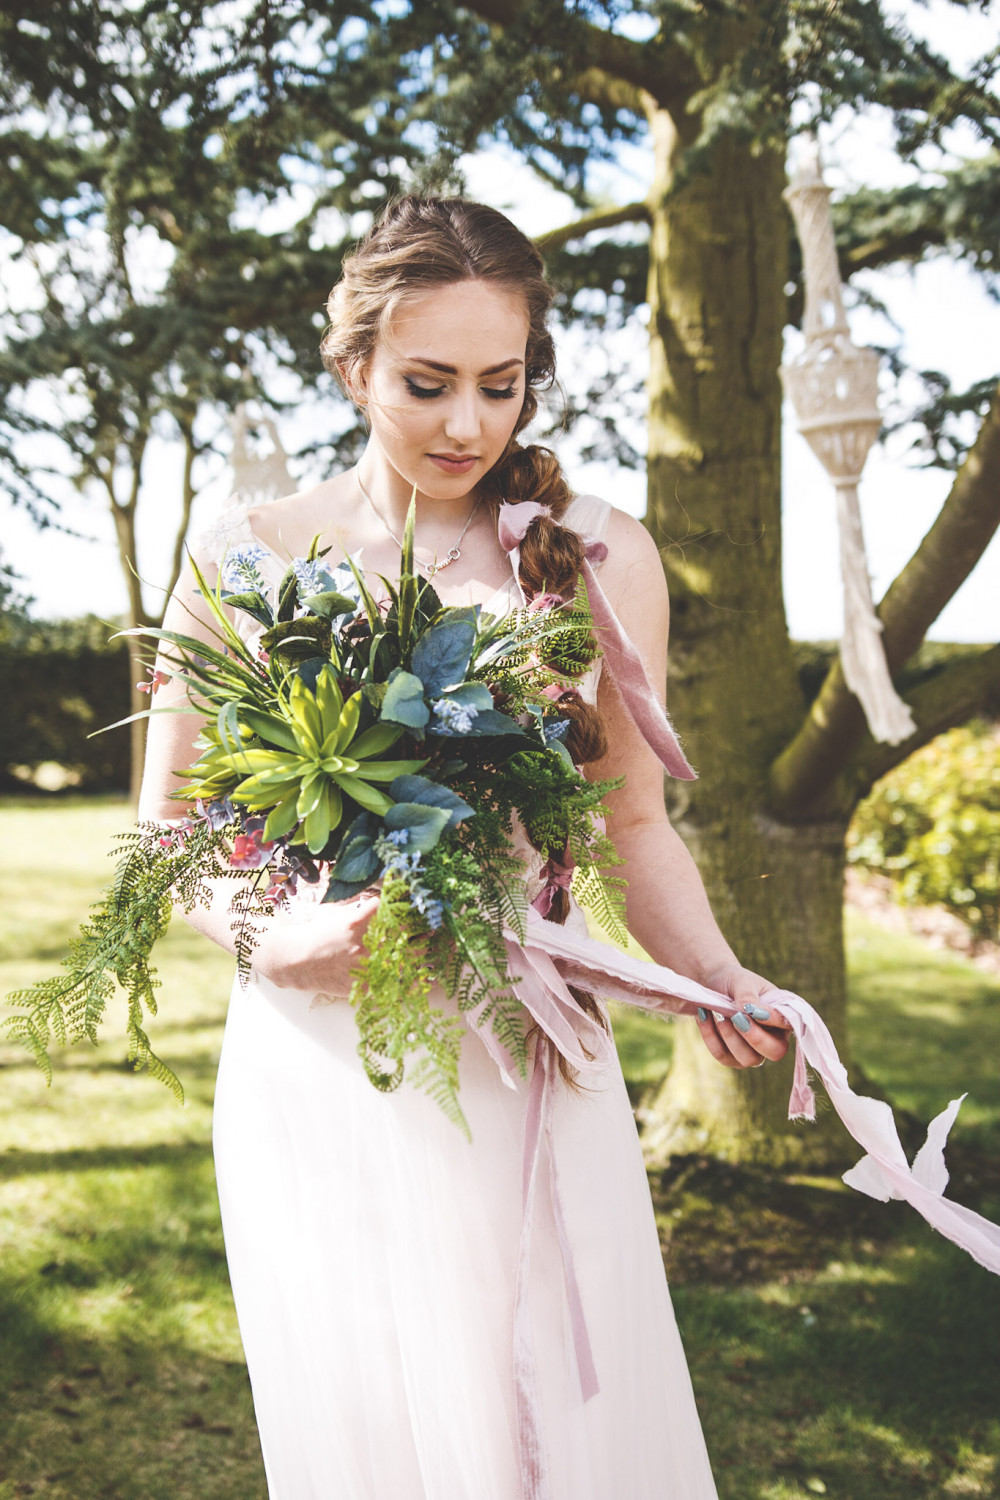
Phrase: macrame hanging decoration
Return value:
(833, 386)
(257, 476)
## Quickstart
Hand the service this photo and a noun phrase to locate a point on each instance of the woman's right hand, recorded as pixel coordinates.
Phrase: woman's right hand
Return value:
(317, 954)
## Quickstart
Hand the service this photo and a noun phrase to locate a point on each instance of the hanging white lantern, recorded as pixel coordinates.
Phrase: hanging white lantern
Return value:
(833, 386)
(257, 476)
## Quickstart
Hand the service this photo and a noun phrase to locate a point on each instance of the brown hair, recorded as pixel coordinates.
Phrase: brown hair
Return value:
(419, 243)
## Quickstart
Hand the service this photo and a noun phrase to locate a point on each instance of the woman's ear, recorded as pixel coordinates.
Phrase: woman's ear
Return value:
(354, 380)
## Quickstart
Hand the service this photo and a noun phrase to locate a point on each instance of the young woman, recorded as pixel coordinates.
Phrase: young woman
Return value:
(374, 1252)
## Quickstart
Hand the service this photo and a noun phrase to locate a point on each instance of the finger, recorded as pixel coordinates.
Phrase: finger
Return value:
(741, 1051)
(761, 1039)
(713, 1041)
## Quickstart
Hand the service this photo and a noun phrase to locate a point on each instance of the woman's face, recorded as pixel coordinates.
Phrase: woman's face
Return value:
(445, 385)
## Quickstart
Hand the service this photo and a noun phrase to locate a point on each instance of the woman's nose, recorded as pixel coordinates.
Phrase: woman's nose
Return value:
(462, 418)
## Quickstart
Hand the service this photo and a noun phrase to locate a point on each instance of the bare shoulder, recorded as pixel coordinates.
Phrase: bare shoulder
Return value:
(632, 572)
(288, 525)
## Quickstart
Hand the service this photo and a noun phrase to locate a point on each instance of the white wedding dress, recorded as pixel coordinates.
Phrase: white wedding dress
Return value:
(373, 1249)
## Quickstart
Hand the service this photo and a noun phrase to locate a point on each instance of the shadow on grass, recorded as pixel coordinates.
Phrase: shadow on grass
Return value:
(15, 1163)
(871, 1376)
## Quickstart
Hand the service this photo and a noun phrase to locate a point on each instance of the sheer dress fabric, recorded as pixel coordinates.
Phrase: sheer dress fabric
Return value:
(372, 1251)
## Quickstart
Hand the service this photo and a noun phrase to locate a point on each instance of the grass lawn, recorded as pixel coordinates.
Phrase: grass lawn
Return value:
(837, 1346)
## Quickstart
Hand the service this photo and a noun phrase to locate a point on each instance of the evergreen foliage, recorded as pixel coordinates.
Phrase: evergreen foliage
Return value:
(933, 827)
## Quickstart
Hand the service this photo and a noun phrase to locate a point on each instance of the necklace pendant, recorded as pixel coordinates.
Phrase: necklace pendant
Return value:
(452, 555)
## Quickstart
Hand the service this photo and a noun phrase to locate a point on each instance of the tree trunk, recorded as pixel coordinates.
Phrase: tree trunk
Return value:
(716, 292)
(124, 516)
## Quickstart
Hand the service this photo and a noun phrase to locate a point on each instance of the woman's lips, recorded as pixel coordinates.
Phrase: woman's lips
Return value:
(453, 465)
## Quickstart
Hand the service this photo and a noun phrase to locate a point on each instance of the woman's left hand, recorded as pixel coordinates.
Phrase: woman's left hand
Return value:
(756, 1034)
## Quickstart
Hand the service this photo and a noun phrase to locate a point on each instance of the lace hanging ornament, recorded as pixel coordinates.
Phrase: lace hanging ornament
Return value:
(833, 386)
(257, 478)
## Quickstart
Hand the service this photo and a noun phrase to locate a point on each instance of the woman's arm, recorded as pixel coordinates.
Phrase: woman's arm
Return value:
(668, 910)
(317, 955)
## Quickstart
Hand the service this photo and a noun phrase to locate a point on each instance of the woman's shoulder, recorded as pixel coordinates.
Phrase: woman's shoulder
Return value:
(627, 540)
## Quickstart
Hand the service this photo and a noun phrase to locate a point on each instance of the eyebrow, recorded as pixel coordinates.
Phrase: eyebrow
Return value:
(508, 364)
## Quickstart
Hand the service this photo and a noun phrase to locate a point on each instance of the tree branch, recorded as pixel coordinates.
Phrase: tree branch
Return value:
(605, 218)
(608, 60)
(971, 685)
(809, 775)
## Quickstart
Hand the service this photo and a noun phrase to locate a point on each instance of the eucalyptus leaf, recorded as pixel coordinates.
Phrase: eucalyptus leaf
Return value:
(404, 700)
(470, 695)
(430, 794)
(441, 656)
(490, 722)
(424, 825)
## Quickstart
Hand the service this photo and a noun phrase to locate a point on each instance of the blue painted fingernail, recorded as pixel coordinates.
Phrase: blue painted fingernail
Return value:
(702, 1013)
(741, 1022)
(757, 1012)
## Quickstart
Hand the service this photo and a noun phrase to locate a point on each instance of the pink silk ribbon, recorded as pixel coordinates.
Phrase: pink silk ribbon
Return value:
(550, 959)
(626, 672)
(557, 877)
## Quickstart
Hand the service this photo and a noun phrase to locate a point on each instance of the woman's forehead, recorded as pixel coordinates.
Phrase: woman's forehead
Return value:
(460, 325)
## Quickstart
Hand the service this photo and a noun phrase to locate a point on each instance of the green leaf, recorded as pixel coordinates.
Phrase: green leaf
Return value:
(424, 825)
(374, 740)
(270, 727)
(404, 700)
(330, 604)
(409, 585)
(388, 770)
(364, 795)
(372, 610)
(430, 794)
(288, 595)
(252, 603)
(281, 819)
(357, 860)
(298, 640)
(490, 722)
(441, 656)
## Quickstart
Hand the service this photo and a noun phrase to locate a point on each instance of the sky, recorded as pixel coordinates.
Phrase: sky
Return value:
(947, 323)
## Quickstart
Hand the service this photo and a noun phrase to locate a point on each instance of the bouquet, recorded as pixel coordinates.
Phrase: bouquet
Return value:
(355, 745)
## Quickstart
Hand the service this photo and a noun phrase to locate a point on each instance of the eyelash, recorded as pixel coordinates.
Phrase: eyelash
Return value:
(427, 393)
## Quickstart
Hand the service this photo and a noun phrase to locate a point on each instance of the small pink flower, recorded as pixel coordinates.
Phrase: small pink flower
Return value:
(283, 883)
(544, 601)
(249, 852)
(157, 680)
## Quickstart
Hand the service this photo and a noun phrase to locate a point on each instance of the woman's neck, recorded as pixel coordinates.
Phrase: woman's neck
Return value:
(390, 494)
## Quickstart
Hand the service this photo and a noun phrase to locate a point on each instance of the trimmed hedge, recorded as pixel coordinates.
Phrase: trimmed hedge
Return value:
(59, 681)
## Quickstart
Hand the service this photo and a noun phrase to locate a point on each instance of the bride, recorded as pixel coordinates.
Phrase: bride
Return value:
(376, 1256)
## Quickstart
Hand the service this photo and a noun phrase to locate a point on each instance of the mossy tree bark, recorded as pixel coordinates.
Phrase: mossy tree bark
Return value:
(718, 265)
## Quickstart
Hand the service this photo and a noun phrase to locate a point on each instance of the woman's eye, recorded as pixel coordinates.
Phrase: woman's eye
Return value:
(499, 393)
(424, 392)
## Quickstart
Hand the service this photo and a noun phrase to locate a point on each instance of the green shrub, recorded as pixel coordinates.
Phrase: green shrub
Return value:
(59, 681)
(933, 826)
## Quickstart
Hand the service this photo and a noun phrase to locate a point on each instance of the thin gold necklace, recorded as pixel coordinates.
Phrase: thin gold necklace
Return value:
(454, 551)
